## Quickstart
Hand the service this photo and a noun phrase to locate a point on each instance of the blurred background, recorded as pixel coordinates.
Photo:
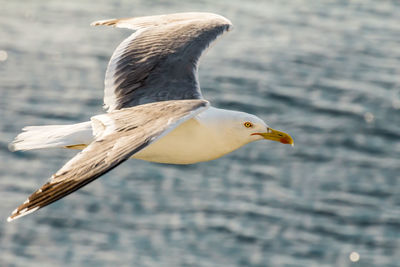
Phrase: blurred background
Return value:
(327, 72)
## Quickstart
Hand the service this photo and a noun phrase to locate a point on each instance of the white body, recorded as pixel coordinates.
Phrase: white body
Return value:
(200, 138)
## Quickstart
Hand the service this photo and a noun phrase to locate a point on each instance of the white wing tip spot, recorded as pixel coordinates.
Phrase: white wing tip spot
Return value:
(106, 22)
(21, 213)
(14, 211)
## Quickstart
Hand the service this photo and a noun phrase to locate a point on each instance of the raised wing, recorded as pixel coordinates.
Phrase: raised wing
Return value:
(119, 135)
(159, 61)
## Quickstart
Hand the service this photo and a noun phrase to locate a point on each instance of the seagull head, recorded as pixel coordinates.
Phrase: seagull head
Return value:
(254, 128)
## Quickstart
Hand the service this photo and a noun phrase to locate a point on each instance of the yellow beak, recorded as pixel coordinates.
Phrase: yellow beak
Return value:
(278, 136)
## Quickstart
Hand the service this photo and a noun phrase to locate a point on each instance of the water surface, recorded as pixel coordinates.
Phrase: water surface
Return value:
(326, 72)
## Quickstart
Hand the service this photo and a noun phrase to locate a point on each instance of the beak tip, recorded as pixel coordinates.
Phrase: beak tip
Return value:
(278, 136)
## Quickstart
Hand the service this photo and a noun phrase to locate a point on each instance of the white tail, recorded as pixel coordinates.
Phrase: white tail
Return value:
(49, 136)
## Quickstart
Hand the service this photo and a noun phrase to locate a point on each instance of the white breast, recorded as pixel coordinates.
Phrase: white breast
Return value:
(201, 138)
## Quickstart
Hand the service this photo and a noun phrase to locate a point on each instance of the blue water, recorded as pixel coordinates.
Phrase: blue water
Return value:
(327, 72)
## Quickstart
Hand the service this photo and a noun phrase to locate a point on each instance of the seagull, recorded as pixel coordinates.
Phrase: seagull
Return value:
(154, 109)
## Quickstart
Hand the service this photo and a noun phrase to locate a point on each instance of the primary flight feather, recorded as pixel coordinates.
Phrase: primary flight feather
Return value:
(155, 109)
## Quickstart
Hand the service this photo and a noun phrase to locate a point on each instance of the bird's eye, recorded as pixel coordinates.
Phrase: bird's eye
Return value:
(248, 124)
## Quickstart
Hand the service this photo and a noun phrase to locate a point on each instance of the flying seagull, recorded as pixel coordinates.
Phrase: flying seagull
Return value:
(155, 110)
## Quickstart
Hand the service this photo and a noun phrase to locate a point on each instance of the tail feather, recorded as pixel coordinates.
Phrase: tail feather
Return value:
(51, 136)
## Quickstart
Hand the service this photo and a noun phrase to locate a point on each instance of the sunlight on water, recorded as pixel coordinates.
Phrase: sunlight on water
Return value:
(354, 256)
(3, 55)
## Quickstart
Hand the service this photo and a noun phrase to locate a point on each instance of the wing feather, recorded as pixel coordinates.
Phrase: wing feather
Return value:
(159, 61)
(122, 134)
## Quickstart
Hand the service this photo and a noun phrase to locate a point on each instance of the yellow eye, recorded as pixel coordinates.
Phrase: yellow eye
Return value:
(248, 124)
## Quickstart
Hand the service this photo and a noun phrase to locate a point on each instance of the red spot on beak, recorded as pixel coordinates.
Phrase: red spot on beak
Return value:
(284, 141)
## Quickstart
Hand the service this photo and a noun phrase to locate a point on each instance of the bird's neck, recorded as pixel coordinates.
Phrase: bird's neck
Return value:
(222, 124)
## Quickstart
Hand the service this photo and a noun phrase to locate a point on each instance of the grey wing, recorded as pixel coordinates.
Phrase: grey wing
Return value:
(159, 61)
(120, 134)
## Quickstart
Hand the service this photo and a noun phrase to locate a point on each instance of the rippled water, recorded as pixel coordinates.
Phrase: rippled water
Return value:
(327, 72)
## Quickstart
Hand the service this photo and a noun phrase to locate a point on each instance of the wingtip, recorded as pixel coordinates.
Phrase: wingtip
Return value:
(20, 211)
(95, 23)
(11, 147)
(13, 215)
(17, 213)
(107, 22)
